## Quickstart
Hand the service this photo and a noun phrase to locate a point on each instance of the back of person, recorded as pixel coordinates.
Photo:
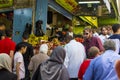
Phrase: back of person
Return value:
(5, 68)
(37, 59)
(53, 68)
(6, 75)
(7, 45)
(75, 55)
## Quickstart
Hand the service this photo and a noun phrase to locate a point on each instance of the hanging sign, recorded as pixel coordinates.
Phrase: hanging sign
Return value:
(6, 3)
(69, 5)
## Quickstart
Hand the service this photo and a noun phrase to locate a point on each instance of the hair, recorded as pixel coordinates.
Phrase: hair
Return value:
(68, 38)
(25, 36)
(9, 32)
(115, 27)
(93, 51)
(2, 33)
(19, 46)
(109, 45)
(88, 29)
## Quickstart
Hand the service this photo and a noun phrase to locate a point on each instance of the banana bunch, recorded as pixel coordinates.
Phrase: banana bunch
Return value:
(44, 38)
(55, 41)
(33, 40)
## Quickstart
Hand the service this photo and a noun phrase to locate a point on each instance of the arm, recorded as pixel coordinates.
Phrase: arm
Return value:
(66, 62)
(89, 72)
(17, 69)
(30, 66)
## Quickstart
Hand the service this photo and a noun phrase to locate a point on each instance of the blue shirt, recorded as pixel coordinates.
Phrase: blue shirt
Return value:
(102, 67)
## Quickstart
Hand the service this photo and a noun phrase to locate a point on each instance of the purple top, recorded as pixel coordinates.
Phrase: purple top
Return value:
(93, 41)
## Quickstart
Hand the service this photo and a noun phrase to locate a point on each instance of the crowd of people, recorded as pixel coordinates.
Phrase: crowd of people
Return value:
(96, 57)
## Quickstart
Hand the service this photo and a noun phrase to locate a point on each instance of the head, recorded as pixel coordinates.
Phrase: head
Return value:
(109, 30)
(58, 55)
(44, 49)
(104, 30)
(68, 38)
(21, 48)
(9, 33)
(5, 62)
(2, 34)
(93, 52)
(2, 26)
(116, 28)
(87, 33)
(109, 45)
(25, 36)
(70, 29)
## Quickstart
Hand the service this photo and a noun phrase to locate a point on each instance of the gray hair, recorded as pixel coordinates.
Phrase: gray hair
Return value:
(109, 45)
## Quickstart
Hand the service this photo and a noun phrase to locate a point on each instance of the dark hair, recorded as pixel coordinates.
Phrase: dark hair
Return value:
(9, 32)
(25, 36)
(68, 38)
(2, 33)
(115, 27)
(1, 24)
(19, 46)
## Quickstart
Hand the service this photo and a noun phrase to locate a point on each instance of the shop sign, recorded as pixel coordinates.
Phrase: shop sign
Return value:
(69, 5)
(6, 3)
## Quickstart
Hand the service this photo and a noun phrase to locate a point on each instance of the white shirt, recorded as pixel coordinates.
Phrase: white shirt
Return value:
(19, 58)
(103, 38)
(75, 55)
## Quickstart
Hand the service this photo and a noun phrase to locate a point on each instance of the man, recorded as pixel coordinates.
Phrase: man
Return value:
(103, 36)
(103, 66)
(90, 41)
(75, 55)
(27, 55)
(7, 45)
(116, 36)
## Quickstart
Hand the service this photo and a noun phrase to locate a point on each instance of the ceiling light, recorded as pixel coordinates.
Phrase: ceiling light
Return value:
(87, 2)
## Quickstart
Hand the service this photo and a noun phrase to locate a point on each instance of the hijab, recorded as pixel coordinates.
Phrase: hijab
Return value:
(53, 68)
(44, 48)
(5, 62)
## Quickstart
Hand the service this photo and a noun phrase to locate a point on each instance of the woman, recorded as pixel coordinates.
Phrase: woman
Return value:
(5, 68)
(53, 68)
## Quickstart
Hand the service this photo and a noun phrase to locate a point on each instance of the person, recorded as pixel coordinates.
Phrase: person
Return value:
(53, 68)
(90, 41)
(70, 31)
(103, 66)
(7, 45)
(117, 68)
(103, 36)
(75, 55)
(5, 68)
(116, 36)
(27, 55)
(94, 52)
(38, 58)
(19, 67)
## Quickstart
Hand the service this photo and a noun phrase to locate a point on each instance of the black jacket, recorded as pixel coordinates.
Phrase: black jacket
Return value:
(6, 75)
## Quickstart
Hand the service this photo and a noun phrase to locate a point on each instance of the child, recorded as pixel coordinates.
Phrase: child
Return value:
(19, 68)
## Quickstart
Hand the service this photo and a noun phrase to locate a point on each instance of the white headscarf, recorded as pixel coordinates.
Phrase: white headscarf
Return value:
(43, 48)
(5, 61)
